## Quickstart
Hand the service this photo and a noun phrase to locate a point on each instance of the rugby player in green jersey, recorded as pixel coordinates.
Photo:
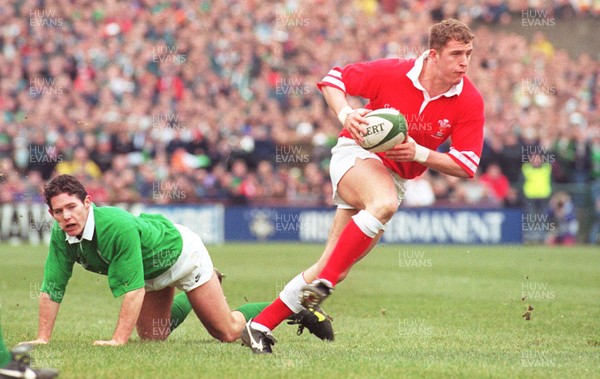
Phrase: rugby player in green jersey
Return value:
(145, 259)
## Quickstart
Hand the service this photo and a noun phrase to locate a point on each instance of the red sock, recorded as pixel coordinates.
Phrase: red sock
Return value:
(350, 246)
(274, 314)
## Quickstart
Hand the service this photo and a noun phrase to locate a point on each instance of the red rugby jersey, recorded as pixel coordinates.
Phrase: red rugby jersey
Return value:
(457, 114)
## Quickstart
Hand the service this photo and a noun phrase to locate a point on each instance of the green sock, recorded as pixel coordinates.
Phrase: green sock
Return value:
(252, 310)
(180, 309)
(5, 355)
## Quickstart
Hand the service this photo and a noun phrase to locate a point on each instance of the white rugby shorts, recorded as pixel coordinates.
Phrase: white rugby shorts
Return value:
(343, 158)
(192, 269)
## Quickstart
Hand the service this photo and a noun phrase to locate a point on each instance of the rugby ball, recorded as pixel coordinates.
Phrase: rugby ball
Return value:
(386, 129)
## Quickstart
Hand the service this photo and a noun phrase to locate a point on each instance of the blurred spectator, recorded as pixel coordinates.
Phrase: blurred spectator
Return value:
(595, 157)
(512, 156)
(564, 9)
(6, 148)
(495, 12)
(97, 191)
(272, 184)
(471, 193)
(564, 147)
(102, 154)
(541, 45)
(80, 165)
(43, 157)
(496, 183)
(582, 157)
(594, 236)
(33, 187)
(537, 188)
(562, 218)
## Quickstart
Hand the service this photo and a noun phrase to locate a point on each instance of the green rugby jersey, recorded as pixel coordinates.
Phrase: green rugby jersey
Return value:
(115, 243)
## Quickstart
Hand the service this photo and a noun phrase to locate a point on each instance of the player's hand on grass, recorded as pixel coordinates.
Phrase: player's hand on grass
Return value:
(108, 343)
(39, 341)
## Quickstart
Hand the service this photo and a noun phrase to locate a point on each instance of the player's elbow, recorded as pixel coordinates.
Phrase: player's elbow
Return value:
(461, 172)
(464, 174)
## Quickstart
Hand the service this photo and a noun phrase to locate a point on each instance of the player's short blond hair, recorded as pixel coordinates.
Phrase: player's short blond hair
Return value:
(447, 30)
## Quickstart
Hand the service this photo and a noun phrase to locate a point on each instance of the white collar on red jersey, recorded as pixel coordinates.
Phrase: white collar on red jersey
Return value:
(88, 229)
(414, 73)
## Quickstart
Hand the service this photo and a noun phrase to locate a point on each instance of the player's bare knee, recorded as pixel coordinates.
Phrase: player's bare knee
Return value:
(384, 209)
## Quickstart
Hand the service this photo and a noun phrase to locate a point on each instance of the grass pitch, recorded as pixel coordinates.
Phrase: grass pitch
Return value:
(404, 311)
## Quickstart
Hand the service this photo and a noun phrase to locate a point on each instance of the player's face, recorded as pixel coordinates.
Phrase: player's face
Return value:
(454, 61)
(70, 212)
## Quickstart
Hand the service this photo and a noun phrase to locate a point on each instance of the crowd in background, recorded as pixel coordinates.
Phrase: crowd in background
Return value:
(186, 102)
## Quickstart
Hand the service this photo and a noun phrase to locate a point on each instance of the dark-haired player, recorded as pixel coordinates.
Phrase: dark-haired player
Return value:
(145, 259)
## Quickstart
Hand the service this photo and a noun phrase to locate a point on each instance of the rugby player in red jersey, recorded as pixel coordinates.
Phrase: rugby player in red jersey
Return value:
(439, 102)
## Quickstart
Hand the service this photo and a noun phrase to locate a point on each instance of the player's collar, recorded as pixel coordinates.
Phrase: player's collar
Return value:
(414, 73)
(88, 229)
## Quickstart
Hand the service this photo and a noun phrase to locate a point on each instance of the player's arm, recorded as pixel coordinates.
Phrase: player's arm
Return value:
(441, 162)
(126, 278)
(467, 142)
(351, 119)
(48, 312)
(362, 79)
(128, 315)
(57, 272)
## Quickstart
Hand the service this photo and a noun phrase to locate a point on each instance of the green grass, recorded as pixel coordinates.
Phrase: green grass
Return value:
(404, 311)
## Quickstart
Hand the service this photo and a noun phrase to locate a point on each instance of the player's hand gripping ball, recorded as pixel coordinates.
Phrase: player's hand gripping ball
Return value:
(386, 129)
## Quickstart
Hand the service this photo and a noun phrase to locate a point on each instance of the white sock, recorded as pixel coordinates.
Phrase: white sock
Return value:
(368, 223)
(290, 294)
(260, 327)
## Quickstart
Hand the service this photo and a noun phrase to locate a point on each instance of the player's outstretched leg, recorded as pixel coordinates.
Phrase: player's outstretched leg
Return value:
(355, 240)
(19, 366)
(181, 306)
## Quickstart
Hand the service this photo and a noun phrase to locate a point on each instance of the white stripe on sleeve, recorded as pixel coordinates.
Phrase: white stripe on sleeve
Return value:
(335, 82)
(467, 158)
(472, 156)
(334, 72)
